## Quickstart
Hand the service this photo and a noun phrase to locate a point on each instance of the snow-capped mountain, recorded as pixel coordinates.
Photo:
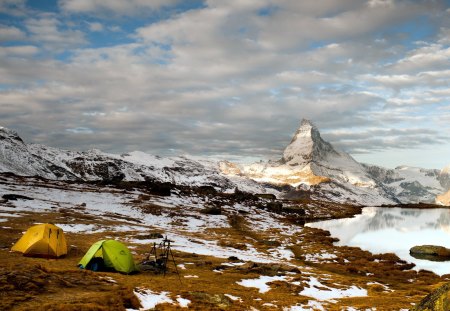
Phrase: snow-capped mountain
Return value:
(312, 164)
(310, 160)
(410, 184)
(308, 165)
(15, 157)
(93, 165)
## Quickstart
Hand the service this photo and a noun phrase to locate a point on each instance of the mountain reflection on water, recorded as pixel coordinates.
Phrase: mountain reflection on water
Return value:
(394, 230)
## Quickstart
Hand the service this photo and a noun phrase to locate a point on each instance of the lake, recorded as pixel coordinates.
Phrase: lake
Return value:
(394, 230)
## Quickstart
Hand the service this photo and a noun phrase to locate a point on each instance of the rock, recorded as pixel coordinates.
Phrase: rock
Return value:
(151, 236)
(272, 243)
(159, 188)
(213, 210)
(261, 268)
(435, 301)
(274, 206)
(216, 301)
(267, 196)
(430, 252)
(14, 197)
(207, 190)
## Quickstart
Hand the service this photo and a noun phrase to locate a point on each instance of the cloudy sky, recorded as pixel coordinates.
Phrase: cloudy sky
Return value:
(229, 78)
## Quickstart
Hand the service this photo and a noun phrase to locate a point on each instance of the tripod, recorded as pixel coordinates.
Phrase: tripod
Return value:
(162, 254)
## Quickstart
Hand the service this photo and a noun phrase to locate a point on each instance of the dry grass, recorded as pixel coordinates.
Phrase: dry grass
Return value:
(40, 284)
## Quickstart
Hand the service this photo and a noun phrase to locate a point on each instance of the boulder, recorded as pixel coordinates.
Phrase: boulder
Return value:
(212, 210)
(430, 252)
(437, 300)
(15, 197)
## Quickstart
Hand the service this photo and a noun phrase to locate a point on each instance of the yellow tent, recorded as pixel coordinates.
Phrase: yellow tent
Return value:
(45, 240)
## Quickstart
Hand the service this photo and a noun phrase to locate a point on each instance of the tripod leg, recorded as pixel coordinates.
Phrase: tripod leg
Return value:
(175, 264)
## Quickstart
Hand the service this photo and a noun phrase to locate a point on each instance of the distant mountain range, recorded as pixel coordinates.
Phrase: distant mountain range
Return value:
(309, 167)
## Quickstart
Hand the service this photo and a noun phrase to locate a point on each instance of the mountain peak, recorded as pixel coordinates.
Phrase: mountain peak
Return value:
(306, 122)
(306, 145)
(6, 133)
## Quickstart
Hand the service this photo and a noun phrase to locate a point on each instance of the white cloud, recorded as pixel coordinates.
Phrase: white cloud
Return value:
(230, 77)
(11, 33)
(95, 26)
(21, 50)
(119, 7)
(49, 31)
(428, 57)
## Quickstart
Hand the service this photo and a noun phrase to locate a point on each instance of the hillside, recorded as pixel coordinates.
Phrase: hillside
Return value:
(309, 167)
(231, 252)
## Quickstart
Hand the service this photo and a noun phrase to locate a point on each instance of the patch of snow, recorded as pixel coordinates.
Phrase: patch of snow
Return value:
(319, 291)
(108, 279)
(78, 228)
(149, 299)
(311, 306)
(386, 288)
(183, 302)
(234, 298)
(233, 264)
(10, 215)
(282, 253)
(191, 276)
(261, 282)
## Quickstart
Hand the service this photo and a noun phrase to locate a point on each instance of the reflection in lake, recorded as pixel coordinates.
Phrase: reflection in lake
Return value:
(394, 230)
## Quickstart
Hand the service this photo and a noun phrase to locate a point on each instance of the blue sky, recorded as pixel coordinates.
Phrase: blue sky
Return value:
(229, 78)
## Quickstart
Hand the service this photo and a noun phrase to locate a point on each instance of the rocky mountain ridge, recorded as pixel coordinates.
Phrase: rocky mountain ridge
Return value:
(309, 166)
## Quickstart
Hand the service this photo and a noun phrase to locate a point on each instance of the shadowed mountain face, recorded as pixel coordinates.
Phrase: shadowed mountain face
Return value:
(308, 165)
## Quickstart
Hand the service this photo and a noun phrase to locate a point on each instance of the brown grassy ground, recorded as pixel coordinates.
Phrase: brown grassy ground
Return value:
(41, 284)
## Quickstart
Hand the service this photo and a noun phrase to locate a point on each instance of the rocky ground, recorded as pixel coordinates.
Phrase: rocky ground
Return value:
(232, 251)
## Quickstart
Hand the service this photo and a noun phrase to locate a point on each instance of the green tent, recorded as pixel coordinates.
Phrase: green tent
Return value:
(111, 254)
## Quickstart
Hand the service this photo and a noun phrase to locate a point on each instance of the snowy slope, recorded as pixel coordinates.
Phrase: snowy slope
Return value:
(15, 157)
(95, 165)
(309, 164)
(409, 184)
(312, 164)
(309, 160)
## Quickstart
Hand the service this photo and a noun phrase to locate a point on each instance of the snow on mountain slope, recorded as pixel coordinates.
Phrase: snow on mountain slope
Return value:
(15, 157)
(307, 160)
(308, 147)
(139, 166)
(309, 164)
(444, 177)
(312, 164)
(409, 184)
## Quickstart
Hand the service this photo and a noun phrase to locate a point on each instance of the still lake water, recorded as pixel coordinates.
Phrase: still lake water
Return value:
(394, 230)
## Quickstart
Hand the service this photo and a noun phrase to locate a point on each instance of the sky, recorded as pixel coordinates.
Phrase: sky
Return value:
(229, 79)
